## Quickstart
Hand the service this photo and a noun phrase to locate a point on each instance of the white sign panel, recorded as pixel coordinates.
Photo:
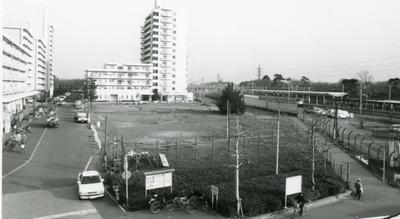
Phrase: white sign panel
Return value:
(293, 185)
(158, 181)
(164, 160)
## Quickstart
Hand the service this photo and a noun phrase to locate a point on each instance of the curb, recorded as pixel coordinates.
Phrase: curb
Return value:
(311, 205)
(115, 201)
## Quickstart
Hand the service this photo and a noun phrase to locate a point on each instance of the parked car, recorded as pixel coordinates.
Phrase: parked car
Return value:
(80, 116)
(318, 110)
(90, 185)
(395, 127)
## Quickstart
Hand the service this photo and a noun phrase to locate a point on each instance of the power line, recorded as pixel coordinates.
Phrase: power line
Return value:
(340, 65)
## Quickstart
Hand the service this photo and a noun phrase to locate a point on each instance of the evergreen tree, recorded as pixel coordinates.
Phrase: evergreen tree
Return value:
(236, 100)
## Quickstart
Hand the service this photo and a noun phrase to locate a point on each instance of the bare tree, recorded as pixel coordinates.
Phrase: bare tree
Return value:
(366, 79)
(365, 76)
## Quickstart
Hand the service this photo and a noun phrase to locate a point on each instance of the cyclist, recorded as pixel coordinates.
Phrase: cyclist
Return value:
(301, 201)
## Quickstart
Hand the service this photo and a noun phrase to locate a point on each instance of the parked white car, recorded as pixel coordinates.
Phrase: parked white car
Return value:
(318, 110)
(90, 185)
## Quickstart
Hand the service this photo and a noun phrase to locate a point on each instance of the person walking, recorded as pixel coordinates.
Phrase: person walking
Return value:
(359, 189)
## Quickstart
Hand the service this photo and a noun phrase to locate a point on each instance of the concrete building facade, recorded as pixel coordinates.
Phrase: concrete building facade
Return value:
(164, 46)
(24, 70)
(122, 82)
(50, 60)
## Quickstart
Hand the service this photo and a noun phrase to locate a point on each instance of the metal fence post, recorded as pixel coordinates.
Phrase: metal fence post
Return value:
(361, 145)
(355, 141)
(176, 152)
(195, 152)
(369, 149)
(348, 172)
(341, 171)
(212, 151)
(258, 149)
(348, 139)
(343, 135)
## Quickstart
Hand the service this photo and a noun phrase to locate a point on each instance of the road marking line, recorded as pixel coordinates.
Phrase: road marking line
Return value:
(87, 165)
(30, 158)
(115, 201)
(72, 213)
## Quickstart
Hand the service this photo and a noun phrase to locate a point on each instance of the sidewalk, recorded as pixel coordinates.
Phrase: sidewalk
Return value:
(11, 160)
(378, 198)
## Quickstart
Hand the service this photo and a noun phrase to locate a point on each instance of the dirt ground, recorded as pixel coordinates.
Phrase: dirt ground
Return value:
(148, 123)
(190, 129)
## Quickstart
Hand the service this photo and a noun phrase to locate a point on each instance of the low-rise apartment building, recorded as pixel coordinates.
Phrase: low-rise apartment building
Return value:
(122, 82)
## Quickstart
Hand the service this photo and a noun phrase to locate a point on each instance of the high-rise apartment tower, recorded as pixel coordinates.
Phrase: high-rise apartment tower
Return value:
(164, 45)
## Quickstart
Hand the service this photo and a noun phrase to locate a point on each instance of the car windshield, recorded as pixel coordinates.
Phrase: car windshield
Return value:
(90, 179)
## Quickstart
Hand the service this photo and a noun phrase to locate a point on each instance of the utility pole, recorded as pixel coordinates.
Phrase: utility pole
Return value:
(335, 123)
(313, 155)
(105, 141)
(277, 142)
(259, 74)
(384, 163)
(390, 102)
(361, 100)
(228, 112)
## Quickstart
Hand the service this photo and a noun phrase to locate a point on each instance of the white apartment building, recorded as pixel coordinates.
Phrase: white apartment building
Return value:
(15, 76)
(50, 60)
(40, 64)
(25, 71)
(164, 46)
(122, 82)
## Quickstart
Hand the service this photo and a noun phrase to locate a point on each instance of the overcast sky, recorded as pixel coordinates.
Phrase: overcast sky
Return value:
(323, 40)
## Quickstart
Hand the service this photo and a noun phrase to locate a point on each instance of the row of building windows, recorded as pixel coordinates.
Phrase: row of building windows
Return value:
(123, 88)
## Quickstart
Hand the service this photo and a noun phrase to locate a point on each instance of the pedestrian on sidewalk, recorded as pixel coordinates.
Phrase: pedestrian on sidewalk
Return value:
(359, 189)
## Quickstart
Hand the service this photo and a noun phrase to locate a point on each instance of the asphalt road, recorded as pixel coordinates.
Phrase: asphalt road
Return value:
(45, 186)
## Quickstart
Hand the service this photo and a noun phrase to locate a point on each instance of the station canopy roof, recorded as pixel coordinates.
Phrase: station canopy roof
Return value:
(314, 93)
(385, 101)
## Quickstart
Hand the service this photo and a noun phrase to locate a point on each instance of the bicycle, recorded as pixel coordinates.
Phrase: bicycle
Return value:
(156, 204)
(184, 203)
(296, 210)
(200, 202)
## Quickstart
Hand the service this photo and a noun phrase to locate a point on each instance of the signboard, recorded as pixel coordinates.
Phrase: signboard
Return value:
(126, 163)
(164, 160)
(126, 174)
(293, 185)
(158, 181)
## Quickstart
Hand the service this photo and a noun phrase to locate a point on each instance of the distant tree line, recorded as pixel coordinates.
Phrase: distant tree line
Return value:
(63, 85)
(370, 89)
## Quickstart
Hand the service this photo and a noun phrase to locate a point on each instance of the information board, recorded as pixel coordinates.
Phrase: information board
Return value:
(158, 181)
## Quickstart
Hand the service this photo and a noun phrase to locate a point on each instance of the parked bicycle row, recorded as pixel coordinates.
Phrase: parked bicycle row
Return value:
(188, 203)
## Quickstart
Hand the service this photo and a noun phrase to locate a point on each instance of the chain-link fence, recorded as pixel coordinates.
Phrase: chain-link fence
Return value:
(380, 155)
